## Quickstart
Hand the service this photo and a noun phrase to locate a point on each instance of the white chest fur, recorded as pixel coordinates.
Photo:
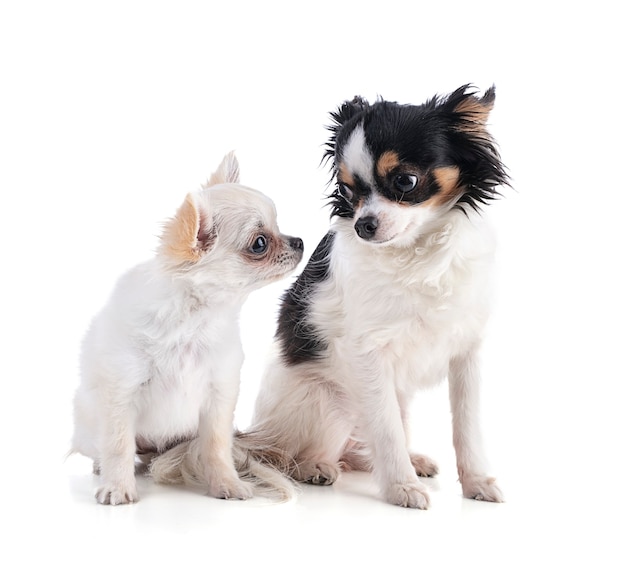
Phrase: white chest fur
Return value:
(198, 358)
(411, 309)
(166, 353)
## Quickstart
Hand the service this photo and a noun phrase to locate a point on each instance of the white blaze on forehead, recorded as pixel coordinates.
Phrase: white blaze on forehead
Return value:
(356, 156)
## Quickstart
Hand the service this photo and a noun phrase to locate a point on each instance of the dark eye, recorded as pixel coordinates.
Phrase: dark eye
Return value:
(259, 245)
(405, 183)
(345, 191)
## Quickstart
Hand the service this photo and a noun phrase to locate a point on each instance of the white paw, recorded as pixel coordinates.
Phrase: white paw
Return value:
(424, 466)
(413, 495)
(230, 488)
(317, 473)
(481, 488)
(114, 494)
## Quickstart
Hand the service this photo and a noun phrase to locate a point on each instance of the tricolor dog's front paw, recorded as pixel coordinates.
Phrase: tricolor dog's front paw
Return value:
(481, 488)
(413, 495)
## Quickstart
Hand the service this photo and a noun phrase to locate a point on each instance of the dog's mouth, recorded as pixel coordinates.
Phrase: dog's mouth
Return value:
(285, 263)
(372, 231)
(280, 274)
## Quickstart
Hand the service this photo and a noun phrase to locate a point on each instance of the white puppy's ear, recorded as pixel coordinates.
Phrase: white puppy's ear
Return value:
(189, 234)
(227, 172)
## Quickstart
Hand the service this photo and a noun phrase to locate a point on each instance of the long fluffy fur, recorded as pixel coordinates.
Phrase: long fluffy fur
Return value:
(394, 299)
(267, 470)
(161, 362)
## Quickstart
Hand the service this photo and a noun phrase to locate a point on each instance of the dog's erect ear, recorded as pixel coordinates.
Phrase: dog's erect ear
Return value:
(227, 172)
(479, 161)
(348, 110)
(189, 234)
(345, 112)
(472, 111)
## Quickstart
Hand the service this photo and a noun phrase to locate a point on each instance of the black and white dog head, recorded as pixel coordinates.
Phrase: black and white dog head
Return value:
(398, 168)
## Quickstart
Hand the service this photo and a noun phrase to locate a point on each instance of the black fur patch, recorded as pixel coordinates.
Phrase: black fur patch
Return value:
(296, 335)
(443, 132)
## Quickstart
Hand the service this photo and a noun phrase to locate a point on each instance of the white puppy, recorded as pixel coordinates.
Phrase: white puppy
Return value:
(161, 362)
(394, 299)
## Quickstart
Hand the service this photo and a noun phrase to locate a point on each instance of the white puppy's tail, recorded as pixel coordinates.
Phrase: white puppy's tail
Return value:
(265, 468)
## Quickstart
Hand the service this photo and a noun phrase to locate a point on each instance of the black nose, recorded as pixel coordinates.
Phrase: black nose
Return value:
(366, 227)
(296, 244)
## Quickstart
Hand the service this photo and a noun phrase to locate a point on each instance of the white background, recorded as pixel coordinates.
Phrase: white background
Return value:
(110, 112)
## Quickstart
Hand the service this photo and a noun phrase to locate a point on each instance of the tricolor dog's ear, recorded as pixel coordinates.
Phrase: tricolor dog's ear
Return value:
(349, 109)
(472, 112)
(227, 172)
(480, 168)
(189, 234)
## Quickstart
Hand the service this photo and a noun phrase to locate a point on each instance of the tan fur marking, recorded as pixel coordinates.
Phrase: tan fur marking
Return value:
(179, 240)
(476, 112)
(345, 176)
(447, 178)
(387, 162)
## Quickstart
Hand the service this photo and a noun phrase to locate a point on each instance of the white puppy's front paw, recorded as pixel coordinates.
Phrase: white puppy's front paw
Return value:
(481, 488)
(117, 494)
(230, 488)
(413, 495)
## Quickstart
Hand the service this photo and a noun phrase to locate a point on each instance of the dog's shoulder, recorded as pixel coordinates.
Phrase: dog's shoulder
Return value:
(295, 330)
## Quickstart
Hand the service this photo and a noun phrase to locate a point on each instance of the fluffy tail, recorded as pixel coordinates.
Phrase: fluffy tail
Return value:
(265, 467)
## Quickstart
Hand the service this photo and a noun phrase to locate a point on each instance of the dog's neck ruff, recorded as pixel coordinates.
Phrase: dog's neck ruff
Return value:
(431, 263)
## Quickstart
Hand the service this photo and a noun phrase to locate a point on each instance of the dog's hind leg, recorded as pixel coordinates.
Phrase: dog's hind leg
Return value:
(424, 466)
(356, 458)
(304, 415)
(316, 472)
(323, 437)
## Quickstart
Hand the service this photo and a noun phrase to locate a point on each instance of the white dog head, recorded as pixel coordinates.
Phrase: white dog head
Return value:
(227, 234)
